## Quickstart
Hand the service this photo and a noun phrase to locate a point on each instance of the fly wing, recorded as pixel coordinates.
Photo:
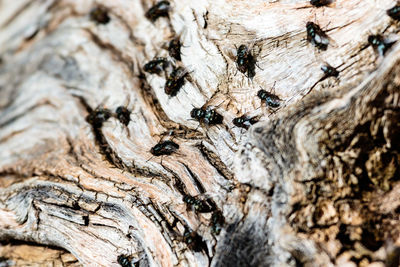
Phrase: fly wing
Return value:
(230, 52)
(321, 38)
(255, 48)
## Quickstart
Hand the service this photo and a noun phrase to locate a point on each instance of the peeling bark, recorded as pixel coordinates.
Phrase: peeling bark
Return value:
(314, 183)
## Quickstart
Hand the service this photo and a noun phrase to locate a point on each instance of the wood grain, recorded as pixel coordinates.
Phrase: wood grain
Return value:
(314, 183)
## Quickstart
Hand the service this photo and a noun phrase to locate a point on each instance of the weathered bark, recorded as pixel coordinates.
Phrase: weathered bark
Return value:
(32, 255)
(314, 183)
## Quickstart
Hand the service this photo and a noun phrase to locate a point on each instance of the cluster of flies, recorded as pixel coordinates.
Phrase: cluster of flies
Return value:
(199, 205)
(100, 115)
(320, 39)
(207, 115)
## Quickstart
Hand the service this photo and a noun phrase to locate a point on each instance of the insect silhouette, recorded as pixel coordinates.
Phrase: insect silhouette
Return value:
(205, 17)
(100, 15)
(317, 36)
(394, 12)
(319, 3)
(199, 205)
(194, 241)
(245, 61)
(270, 99)
(244, 121)
(164, 148)
(174, 48)
(126, 261)
(123, 115)
(207, 115)
(217, 222)
(329, 71)
(156, 66)
(98, 116)
(161, 9)
(379, 43)
(175, 81)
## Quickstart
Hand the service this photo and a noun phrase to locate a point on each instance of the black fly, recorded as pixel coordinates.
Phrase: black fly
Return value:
(100, 15)
(156, 66)
(194, 241)
(217, 222)
(123, 115)
(394, 12)
(175, 81)
(160, 9)
(201, 206)
(126, 261)
(174, 48)
(319, 3)
(205, 17)
(244, 121)
(270, 99)
(379, 43)
(329, 71)
(98, 116)
(164, 148)
(317, 36)
(245, 61)
(206, 115)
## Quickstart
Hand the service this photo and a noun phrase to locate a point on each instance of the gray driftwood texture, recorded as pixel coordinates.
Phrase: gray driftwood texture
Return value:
(314, 183)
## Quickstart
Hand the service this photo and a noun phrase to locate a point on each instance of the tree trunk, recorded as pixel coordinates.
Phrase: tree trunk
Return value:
(314, 183)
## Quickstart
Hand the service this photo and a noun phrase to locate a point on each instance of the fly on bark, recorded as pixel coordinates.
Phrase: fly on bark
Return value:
(156, 66)
(320, 3)
(245, 61)
(317, 36)
(270, 99)
(379, 43)
(207, 115)
(244, 121)
(175, 81)
(164, 148)
(161, 9)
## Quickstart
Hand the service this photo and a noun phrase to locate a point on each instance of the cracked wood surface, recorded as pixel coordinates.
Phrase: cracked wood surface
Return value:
(35, 256)
(314, 183)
